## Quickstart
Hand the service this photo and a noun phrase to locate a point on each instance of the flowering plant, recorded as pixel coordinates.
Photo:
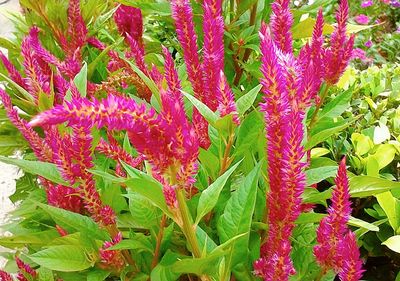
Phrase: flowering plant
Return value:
(163, 171)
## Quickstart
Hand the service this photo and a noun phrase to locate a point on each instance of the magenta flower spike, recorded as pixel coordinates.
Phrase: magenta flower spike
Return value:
(352, 265)
(281, 24)
(4, 276)
(337, 56)
(77, 30)
(13, 72)
(137, 52)
(226, 99)
(333, 228)
(112, 259)
(39, 147)
(25, 269)
(64, 197)
(129, 22)
(213, 58)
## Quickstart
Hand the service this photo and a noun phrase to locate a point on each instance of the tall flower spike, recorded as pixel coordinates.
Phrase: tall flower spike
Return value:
(64, 197)
(332, 228)
(281, 24)
(112, 259)
(183, 16)
(25, 268)
(77, 30)
(338, 55)
(226, 99)
(129, 21)
(352, 265)
(213, 58)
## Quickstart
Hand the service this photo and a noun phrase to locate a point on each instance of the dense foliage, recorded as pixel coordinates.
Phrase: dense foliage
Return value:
(201, 140)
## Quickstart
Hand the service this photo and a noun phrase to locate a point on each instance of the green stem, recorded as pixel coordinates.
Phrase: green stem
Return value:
(317, 108)
(187, 224)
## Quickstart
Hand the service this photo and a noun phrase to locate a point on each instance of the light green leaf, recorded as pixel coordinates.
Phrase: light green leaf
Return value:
(362, 224)
(209, 197)
(364, 186)
(385, 154)
(337, 106)
(21, 90)
(78, 222)
(207, 113)
(47, 170)
(305, 28)
(393, 243)
(80, 80)
(319, 174)
(237, 217)
(247, 100)
(355, 28)
(45, 274)
(391, 206)
(65, 258)
(319, 151)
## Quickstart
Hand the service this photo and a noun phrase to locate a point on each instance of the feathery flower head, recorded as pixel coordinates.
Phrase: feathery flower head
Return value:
(77, 30)
(12, 71)
(352, 265)
(333, 228)
(112, 259)
(4, 276)
(226, 99)
(281, 24)
(129, 22)
(25, 269)
(337, 57)
(64, 197)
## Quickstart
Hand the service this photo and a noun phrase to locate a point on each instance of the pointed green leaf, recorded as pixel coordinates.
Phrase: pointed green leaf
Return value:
(247, 100)
(207, 113)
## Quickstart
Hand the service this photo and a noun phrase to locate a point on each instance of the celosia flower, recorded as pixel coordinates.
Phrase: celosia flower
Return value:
(64, 197)
(352, 265)
(361, 55)
(281, 24)
(362, 19)
(333, 227)
(77, 30)
(367, 3)
(336, 57)
(112, 259)
(226, 99)
(25, 269)
(129, 22)
(4, 276)
(13, 72)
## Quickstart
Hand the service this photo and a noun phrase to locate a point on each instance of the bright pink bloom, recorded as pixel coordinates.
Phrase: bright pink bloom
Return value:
(129, 22)
(112, 259)
(368, 44)
(352, 265)
(64, 197)
(77, 30)
(367, 3)
(281, 24)
(25, 268)
(4, 276)
(226, 99)
(213, 59)
(12, 71)
(337, 56)
(333, 228)
(362, 19)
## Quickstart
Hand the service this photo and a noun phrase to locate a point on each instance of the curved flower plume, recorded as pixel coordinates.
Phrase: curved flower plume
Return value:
(64, 197)
(12, 71)
(77, 30)
(129, 22)
(112, 259)
(337, 56)
(170, 147)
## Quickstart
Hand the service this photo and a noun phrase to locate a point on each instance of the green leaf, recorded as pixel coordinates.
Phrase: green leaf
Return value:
(385, 154)
(130, 244)
(80, 80)
(147, 187)
(355, 28)
(65, 258)
(143, 212)
(362, 224)
(249, 131)
(327, 132)
(35, 239)
(337, 106)
(237, 217)
(391, 206)
(21, 90)
(47, 170)
(319, 151)
(247, 100)
(209, 197)
(393, 243)
(319, 174)
(78, 222)
(97, 275)
(207, 113)
(305, 28)
(364, 186)
(45, 274)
